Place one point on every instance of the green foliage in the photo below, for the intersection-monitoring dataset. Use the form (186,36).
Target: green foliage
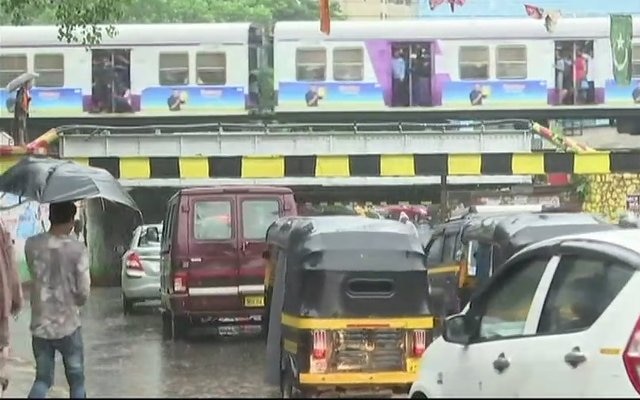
(581,186)
(261,11)
(78,19)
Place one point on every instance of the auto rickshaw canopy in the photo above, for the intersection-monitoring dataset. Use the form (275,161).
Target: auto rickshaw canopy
(513,232)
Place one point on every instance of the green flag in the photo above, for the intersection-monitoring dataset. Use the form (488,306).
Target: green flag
(620,36)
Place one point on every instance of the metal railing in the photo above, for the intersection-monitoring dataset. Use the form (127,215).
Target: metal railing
(297,128)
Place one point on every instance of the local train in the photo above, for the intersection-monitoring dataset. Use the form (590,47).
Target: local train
(219,68)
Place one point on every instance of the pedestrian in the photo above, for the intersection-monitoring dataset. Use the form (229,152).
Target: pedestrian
(59,268)
(10,299)
(21,113)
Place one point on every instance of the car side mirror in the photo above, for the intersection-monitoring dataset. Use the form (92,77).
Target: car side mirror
(119,249)
(456,329)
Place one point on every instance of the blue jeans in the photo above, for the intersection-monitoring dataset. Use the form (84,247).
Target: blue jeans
(71,349)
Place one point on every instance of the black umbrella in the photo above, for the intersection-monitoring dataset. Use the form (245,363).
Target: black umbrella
(49,180)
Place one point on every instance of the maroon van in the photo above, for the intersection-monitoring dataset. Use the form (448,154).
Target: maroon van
(212,268)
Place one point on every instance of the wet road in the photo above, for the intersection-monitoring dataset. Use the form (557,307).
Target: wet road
(126,356)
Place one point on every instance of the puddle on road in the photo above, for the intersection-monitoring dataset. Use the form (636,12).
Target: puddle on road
(126,356)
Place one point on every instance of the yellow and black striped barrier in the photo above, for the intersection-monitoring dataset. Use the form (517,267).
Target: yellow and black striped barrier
(374,165)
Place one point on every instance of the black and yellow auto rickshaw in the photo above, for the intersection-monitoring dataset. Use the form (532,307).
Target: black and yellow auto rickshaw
(446,264)
(491,241)
(348,311)
(451,261)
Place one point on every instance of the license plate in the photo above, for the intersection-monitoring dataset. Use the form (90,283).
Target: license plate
(254,301)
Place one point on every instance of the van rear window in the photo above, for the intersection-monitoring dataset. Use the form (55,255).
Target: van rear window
(257,216)
(212,220)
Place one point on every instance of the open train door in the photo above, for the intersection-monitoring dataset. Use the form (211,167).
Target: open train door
(415,88)
(111,80)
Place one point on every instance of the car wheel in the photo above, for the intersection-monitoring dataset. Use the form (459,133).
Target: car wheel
(127,305)
(418,395)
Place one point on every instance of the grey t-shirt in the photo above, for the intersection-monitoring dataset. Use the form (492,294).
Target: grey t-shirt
(59,268)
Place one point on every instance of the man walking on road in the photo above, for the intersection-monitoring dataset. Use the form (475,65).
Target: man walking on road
(10,299)
(59,268)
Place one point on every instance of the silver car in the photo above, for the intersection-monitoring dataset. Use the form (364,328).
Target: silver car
(140,276)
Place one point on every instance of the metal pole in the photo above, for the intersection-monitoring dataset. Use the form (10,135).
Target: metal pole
(444,198)
(410,73)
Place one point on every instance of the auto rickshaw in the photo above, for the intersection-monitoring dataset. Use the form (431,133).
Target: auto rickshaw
(444,249)
(491,241)
(348,310)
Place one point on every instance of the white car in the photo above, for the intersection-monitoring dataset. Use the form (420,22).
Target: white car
(560,319)
(140,272)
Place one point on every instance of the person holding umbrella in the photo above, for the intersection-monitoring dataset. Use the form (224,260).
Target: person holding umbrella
(22,84)
(10,299)
(59,267)
(58,263)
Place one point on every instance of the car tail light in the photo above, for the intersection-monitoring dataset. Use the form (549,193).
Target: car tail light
(180,282)
(319,344)
(631,357)
(133,262)
(420,342)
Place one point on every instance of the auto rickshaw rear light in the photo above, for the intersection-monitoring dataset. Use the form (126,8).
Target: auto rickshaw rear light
(419,342)
(180,284)
(319,344)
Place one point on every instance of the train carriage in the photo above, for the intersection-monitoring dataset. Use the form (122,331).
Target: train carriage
(505,62)
(212,69)
(162,69)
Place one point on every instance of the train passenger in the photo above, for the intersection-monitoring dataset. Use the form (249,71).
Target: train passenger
(591,89)
(580,73)
(421,80)
(399,71)
(559,68)
(567,78)
(122,101)
(21,113)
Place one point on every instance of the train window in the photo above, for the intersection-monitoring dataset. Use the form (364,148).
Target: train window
(348,64)
(474,62)
(173,69)
(211,68)
(11,66)
(311,64)
(50,68)
(635,61)
(511,62)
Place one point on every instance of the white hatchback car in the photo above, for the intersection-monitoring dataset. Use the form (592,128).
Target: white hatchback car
(560,319)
